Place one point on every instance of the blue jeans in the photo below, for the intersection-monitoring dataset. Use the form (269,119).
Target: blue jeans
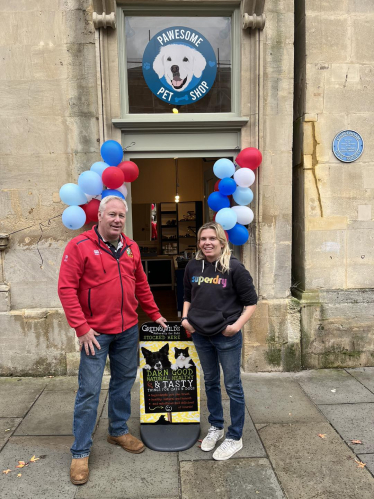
(123,355)
(224,350)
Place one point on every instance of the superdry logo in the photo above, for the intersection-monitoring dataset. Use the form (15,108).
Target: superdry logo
(97,252)
(66,258)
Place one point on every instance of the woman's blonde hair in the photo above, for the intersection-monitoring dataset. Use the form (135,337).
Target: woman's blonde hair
(224,259)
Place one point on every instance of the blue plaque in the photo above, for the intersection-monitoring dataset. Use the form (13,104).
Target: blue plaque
(348,146)
(179,65)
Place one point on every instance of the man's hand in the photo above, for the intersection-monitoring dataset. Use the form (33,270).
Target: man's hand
(88,340)
(162,321)
(187,326)
(231,330)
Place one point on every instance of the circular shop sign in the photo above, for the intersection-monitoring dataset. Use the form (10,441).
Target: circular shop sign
(348,146)
(179,65)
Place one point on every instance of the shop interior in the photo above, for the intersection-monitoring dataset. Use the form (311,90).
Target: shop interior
(168,207)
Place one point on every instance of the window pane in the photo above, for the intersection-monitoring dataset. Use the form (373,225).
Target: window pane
(139,30)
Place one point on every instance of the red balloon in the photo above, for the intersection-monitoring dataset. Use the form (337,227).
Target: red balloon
(113,177)
(216,189)
(214,217)
(227,235)
(250,157)
(129,169)
(92,209)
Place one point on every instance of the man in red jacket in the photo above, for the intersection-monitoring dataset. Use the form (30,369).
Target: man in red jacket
(101,280)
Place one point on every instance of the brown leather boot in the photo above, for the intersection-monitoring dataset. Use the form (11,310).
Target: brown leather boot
(128,443)
(79,471)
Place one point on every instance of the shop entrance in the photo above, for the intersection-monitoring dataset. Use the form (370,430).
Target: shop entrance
(168,206)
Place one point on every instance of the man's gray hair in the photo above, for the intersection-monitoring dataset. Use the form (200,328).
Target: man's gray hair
(106,200)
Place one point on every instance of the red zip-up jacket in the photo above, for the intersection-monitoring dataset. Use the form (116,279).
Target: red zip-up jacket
(100,291)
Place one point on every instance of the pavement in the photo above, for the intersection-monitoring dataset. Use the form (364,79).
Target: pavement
(298,443)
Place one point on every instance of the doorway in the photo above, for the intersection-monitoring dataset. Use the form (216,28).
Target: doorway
(165,227)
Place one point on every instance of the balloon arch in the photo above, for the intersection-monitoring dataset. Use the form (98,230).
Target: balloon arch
(108,177)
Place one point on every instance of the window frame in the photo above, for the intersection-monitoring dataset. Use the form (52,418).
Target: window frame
(232,11)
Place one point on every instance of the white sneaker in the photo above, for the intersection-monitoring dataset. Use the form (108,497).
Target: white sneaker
(227,449)
(209,442)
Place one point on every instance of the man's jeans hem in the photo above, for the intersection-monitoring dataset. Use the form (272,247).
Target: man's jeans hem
(80,456)
(116,436)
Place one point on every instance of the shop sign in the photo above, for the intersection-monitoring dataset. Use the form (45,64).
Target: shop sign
(179,65)
(348,146)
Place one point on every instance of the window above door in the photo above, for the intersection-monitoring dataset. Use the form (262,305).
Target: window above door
(143,31)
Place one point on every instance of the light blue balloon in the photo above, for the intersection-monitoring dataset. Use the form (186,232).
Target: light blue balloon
(243,196)
(74,217)
(90,183)
(99,167)
(72,194)
(224,168)
(227,218)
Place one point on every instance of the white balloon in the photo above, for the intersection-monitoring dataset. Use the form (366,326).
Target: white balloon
(244,213)
(244,177)
(89,197)
(122,189)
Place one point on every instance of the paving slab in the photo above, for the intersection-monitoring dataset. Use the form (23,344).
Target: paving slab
(353,422)
(364,375)
(272,399)
(332,386)
(17,395)
(236,478)
(52,414)
(115,473)
(368,459)
(47,478)
(57,383)
(7,427)
(252,446)
(309,466)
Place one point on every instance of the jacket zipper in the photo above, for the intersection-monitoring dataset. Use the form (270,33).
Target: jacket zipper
(89,301)
(120,280)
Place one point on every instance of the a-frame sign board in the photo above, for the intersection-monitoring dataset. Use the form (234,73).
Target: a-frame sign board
(169,388)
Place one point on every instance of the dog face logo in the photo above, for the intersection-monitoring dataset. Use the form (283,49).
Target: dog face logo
(179,65)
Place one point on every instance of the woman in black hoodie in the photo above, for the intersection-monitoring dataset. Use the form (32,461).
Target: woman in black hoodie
(219,298)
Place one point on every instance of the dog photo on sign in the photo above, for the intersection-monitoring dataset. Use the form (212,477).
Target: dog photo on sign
(157,360)
(179,63)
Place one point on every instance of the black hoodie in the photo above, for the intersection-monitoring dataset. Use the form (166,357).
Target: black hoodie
(217,299)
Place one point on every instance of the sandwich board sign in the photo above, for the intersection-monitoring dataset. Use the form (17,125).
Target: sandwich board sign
(169,388)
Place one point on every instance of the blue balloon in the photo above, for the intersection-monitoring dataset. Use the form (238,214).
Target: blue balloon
(238,235)
(227,218)
(99,167)
(112,192)
(216,201)
(243,195)
(111,152)
(227,186)
(90,183)
(74,217)
(223,168)
(72,194)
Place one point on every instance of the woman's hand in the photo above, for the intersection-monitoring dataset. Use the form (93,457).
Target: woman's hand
(231,330)
(187,326)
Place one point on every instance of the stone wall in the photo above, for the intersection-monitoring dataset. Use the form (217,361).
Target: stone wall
(49,134)
(333,231)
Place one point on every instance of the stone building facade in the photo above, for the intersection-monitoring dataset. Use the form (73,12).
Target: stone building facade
(304,73)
